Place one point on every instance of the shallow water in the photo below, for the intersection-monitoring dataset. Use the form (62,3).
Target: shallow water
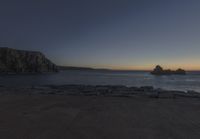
(191,81)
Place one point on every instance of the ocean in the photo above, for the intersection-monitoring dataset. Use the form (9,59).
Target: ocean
(191,81)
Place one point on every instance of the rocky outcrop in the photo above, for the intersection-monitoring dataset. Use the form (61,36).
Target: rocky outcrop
(158,70)
(180,71)
(20,61)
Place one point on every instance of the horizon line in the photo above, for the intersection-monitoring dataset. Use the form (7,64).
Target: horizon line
(120,69)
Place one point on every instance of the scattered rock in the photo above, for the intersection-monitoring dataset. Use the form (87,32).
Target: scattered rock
(146,88)
(89,90)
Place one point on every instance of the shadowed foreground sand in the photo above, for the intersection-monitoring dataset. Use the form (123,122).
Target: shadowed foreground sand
(98,117)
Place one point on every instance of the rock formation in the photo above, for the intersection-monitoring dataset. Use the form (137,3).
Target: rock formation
(158,70)
(180,71)
(20,61)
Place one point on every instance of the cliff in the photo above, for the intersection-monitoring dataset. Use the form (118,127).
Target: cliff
(20,61)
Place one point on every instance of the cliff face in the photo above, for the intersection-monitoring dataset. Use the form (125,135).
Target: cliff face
(20,61)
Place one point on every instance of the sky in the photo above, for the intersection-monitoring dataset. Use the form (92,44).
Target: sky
(115,34)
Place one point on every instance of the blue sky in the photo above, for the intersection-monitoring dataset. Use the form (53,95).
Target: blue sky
(118,34)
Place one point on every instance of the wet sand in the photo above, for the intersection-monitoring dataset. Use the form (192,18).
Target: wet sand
(38,116)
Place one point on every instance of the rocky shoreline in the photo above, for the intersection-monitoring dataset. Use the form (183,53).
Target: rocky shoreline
(99,90)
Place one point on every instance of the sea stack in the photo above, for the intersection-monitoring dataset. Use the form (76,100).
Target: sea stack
(158,70)
(21,61)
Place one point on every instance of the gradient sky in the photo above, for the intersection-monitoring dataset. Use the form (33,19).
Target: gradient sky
(117,34)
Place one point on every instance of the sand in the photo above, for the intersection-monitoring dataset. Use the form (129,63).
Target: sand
(98,117)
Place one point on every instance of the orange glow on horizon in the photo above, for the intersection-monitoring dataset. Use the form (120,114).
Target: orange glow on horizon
(151,67)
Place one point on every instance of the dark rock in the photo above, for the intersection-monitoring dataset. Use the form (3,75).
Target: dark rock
(158,70)
(146,88)
(180,71)
(20,61)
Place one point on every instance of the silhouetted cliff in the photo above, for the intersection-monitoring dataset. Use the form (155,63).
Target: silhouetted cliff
(20,61)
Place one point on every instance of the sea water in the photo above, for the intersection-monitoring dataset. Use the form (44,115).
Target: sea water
(191,81)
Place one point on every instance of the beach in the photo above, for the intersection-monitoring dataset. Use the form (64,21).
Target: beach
(99,69)
(82,112)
